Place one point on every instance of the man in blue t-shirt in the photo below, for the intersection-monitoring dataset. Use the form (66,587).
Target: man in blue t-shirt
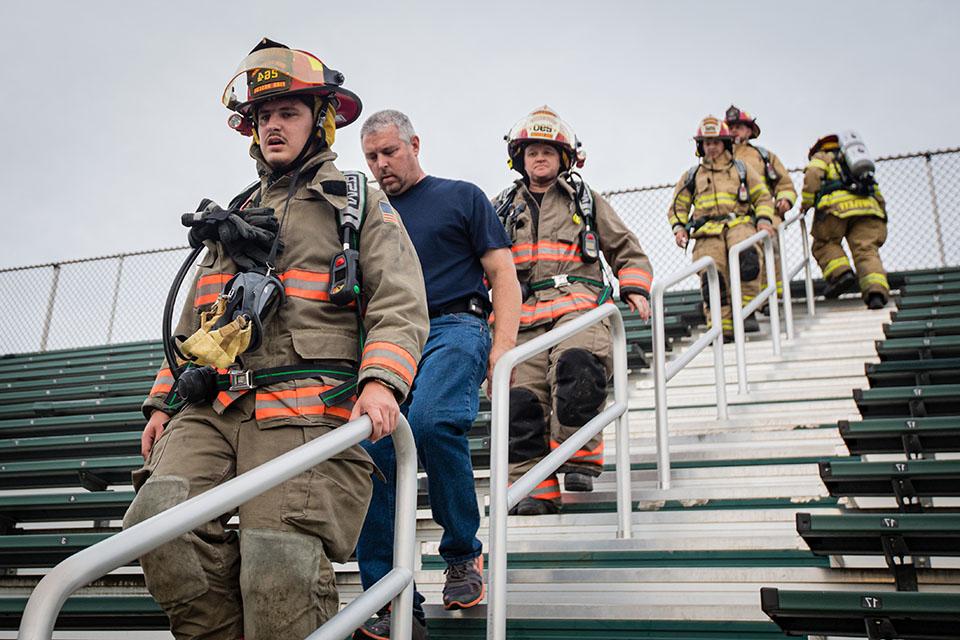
(459,239)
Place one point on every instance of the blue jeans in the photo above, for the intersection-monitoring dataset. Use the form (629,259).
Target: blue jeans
(441,408)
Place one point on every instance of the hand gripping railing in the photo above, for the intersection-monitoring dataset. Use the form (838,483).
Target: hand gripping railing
(502,497)
(788,273)
(94,562)
(662,372)
(739,313)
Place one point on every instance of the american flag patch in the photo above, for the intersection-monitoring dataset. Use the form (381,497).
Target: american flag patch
(388,213)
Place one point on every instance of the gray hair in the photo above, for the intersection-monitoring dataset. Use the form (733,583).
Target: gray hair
(383,119)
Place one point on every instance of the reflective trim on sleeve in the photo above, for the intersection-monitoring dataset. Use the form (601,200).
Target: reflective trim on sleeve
(633,277)
(163,382)
(209,287)
(391,357)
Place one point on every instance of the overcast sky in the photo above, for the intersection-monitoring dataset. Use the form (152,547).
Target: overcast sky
(113,122)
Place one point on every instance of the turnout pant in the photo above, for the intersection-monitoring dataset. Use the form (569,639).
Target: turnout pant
(554,394)
(865,235)
(284,587)
(777,221)
(751,266)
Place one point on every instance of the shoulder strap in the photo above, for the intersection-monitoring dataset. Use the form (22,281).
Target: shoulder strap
(584,197)
(504,200)
(763,152)
(741,171)
(241,198)
(350,218)
(689,182)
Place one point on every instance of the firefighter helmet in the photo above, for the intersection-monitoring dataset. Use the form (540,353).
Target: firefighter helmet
(736,115)
(273,70)
(829,142)
(713,128)
(544,125)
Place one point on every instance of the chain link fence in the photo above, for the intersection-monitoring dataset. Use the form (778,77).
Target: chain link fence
(120,298)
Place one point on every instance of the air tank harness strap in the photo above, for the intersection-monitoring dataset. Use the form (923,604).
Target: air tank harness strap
(563,280)
(247,379)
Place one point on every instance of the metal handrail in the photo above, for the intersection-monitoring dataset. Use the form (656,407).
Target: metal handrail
(663,373)
(739,313)
(94,562)
(789,273)
(503,497)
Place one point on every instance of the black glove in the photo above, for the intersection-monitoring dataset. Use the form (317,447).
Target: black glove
(204,223)
(248,236)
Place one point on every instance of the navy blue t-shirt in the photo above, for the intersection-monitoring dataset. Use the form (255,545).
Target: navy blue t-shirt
(451,224)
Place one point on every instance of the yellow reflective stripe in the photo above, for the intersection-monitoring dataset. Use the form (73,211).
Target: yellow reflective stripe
(789,196)
(817,163)
(739,220)
(712,200)
(835,264)
(684,198)
(765,210)
(759,188)
(807,198)
(779,287)
(873,279)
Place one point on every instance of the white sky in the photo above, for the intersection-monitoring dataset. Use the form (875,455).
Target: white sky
(113,125)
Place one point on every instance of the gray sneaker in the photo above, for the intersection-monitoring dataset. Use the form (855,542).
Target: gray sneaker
(379,628)
(464,586)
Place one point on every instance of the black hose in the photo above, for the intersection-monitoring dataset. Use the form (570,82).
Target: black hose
(169,349)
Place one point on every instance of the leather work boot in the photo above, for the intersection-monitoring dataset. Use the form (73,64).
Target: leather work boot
(750,324)
(841,284)
(463,587)
(379,628)
(574,481)
(532,507)
(875,301)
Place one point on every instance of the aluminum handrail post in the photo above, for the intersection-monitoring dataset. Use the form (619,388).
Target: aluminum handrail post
(660,384)
(405,530)
(736,309)
(621,395)
(773,306)
(787,277)
(806,265)
(91,563)
(719,371)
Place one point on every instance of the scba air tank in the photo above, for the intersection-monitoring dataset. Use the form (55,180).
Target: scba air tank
(855,153)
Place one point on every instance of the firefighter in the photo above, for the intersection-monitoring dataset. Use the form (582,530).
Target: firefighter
(274,578)
(730,203)
(744,128)
(847,205)
(559,227)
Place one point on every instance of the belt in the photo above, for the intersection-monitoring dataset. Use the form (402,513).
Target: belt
(564,280)
(474,305)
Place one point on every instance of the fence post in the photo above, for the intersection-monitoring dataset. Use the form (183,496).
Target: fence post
(116,294)
(936,209)
(50,302)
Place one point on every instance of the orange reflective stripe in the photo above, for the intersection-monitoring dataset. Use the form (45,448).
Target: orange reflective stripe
(631,277)
(549,489)
(584,455)
(548,309)
(300,283)
(163,382)
(546,251)
(302,401)
(209,287)
(225,398)
(390,357)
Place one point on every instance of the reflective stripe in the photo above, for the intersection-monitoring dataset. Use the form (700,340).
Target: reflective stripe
(592,456)
(683,198)
(546,251)
(163,382)
(300,283)
(209,287)
(712,200)
(789,196)
(818,164)
(549,309)
(759,188)
(391,357)
(678,219)
(835,264)
(844,204)
(631,277)
(764,210)
(874,279)
(302,401)
(807,198)
(549,489)
(225,398)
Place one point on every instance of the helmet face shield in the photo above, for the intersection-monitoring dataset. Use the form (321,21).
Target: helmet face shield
(544,125)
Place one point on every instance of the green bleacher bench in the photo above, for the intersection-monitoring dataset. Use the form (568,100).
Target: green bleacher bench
(75,392)
(889,402)
(71,407)
(144,375)
(58,507)
(911,436)
(42,376)
(94,474)
(30,551)
(951,275)
(925,313)
(930,289)
(43,364)
(896,536)
(906,373)
(920,328)
(864,614)
(114,612)
(67,354)
(76,424)
(906,480)
(922,348)
(71,446)
(925,302)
